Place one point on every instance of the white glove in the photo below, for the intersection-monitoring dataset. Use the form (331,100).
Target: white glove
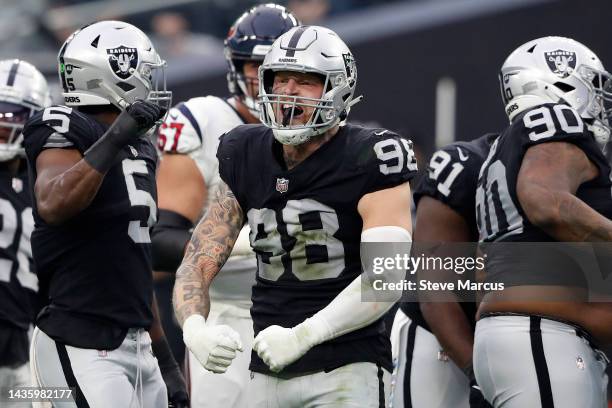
(214,346)
(279,346)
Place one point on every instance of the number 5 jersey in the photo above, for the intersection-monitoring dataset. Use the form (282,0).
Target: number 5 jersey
(97,264)
(305,228)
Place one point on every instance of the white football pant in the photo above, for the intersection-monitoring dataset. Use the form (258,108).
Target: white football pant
(528,361)
(423,376)
(126,377)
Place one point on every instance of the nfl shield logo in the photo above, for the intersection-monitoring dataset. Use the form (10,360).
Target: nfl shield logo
(561,62)
(122,60)
(282,185)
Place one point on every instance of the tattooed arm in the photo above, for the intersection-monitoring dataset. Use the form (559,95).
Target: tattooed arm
(210,245)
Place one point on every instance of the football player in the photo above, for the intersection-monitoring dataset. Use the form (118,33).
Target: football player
(545,180)
(92,165)
(23,91)
(311,189)
(433,339)
(189,168)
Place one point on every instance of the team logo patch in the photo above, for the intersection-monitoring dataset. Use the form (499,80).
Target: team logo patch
(122,60)
(561,62)
(580,363)
(282,185)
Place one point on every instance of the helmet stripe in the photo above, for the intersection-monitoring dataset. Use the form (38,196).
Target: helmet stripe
(12,73)
(293,42)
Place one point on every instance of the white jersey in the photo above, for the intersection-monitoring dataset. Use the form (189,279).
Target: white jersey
(194,128)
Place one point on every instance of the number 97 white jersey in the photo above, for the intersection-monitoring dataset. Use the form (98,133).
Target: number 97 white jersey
(193,128)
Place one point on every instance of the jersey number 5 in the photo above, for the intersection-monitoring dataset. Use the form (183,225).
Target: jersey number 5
(136,231)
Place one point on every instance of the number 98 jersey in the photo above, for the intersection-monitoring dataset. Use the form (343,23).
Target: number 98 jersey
(97,264)
(305,228)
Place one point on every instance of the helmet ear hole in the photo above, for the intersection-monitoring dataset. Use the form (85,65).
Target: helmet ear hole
(564,87)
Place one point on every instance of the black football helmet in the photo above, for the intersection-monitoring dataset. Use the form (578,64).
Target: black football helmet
(249,39)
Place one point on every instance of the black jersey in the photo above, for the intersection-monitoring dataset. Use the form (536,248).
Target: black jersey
(97,265)
(451,178)
(305,228)
(499,213)
(18,281)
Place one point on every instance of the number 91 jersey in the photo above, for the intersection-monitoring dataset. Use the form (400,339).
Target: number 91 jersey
(97,264)
(305,228)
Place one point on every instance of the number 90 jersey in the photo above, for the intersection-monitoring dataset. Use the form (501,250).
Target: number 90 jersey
(97,264)
(305,228)
(499,214)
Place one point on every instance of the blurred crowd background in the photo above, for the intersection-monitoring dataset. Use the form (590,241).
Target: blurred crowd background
(427,68)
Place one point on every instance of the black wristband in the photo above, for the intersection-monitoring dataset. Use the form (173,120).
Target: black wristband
(103,154)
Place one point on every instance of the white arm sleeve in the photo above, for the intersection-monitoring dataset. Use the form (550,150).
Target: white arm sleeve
(347,312)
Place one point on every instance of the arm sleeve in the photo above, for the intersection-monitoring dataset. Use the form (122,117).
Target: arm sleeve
(169,238)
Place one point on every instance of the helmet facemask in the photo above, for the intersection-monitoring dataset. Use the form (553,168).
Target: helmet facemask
(279,110)
(12,121)
(244,87)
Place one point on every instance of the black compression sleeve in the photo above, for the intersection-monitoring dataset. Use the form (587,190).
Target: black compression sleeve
(103,154)
(169,238)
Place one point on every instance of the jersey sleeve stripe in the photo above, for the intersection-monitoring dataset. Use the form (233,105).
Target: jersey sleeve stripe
(57,140)
(187,113)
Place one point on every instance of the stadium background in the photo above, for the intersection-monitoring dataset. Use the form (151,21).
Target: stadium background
(427,68)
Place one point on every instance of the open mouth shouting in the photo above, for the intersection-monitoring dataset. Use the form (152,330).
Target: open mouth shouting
(292,113)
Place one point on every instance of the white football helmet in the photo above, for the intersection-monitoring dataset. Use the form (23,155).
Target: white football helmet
(23,91)
(558,69)
(111,62)
(316,50)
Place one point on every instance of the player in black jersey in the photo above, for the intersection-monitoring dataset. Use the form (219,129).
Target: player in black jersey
(309,188)
(434,339)
(545,180)
(23,91)
(92,166)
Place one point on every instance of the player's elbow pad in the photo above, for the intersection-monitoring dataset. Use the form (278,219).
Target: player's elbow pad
(169,238)
(351,310)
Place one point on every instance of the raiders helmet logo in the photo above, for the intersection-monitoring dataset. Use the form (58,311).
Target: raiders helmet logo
(282,185)
(122,60)
(561,62)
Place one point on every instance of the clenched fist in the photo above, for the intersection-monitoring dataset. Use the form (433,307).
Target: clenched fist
(214,346)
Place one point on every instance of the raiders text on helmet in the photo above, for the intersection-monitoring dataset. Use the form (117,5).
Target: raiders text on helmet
(558,70)
(111,62)
(316,50)
(249,39)
(23,91)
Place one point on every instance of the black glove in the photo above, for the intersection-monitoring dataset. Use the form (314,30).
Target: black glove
(146,114)
(175,382)
(477,400)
